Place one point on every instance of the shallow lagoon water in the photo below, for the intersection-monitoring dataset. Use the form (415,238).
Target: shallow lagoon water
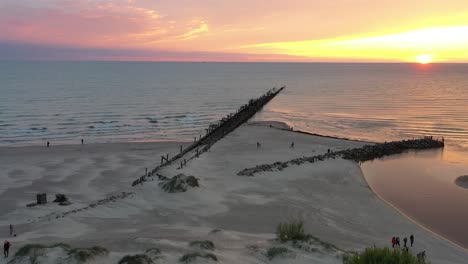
(422,185)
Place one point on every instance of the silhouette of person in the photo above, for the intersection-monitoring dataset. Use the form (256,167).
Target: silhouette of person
(258,144)
(82,141)
(11,229)
(48,143)
(292,144)
(411,239)
(404,241)
(398,241)
(393,242)
(6,248)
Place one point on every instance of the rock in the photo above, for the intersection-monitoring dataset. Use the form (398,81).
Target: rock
(59,198)
(179,183)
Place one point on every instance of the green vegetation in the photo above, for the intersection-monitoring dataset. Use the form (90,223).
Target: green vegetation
(205,244)
(81,254)
(136,259)
(190,257)
(62,245)
(85,254)
(29,249)
(277,252)
(178,183)
(383,256)
(293,230)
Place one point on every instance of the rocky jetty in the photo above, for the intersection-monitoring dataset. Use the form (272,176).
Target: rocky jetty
(218,130)
(370,152)
(365,153)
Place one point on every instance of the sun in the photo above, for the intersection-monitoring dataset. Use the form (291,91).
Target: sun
(425,58)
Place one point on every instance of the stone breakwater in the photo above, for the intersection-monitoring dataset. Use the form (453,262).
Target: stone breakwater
(365,153)
(112,198)
(218,130)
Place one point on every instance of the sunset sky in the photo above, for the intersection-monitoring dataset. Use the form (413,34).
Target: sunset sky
(237,30)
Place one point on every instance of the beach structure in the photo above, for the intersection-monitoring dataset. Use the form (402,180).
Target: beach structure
(218,130)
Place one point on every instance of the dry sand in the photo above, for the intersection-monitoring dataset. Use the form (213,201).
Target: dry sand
(331,197)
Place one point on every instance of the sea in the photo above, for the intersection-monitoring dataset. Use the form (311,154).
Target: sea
(62,102)
(100,102)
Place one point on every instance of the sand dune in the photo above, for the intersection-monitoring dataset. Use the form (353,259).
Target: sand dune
(331,197)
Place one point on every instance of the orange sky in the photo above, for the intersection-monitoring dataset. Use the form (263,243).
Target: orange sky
(294,30)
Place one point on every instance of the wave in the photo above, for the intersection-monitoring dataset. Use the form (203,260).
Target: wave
(38,128)
(174,116)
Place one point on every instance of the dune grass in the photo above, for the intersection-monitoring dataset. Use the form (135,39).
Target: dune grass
(85,254)
(290,231)
(203,244)
(29,249)
(136,259)
(383,256)
(274,252)
(190,257)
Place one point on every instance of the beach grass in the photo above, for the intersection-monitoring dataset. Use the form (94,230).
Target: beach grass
(204,244)
(190,257)
(274,252)
(383,256)
(136,259)
(293,230)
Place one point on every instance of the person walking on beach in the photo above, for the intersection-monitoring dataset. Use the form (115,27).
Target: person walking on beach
(411,238)
(6,248)
(397,242)
(393,242)
(292,144)
(82,141)
(11,229)
(258,144)
(404,241)
(48,143)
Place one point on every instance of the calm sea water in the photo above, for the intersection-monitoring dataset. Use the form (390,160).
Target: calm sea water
(127,101)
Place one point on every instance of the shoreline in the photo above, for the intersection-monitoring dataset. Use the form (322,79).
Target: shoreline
(409,217)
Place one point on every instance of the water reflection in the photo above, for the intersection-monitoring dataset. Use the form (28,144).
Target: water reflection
(422,185)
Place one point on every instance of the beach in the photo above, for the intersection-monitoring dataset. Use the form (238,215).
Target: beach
(239,214)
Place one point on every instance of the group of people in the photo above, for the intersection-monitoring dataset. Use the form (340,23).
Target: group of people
(396,242)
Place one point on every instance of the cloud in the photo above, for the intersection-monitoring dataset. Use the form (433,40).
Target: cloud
(15,51)
(93,23)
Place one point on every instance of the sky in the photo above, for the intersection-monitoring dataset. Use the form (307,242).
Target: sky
(237,30)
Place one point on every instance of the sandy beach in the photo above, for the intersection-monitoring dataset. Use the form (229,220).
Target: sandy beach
(239,214)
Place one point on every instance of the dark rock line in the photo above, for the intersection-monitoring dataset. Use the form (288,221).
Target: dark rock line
(365,153)
(218,130)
